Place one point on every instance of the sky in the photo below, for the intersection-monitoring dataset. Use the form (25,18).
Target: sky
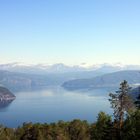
(70,31)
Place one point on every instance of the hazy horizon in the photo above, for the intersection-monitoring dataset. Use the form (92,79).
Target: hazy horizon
(70,65)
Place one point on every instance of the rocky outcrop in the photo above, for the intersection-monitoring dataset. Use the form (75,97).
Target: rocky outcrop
(6,95)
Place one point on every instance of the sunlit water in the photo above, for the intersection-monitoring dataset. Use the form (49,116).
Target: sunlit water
(55,104)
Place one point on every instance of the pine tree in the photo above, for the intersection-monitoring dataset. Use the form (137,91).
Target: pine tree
(137,102)
(121,103)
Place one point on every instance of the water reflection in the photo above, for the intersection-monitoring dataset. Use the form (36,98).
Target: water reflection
(5,104)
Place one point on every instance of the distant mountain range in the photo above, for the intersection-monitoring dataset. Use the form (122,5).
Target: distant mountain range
(40,68)
(106,80)
(16,81)
(17,77)
(62,68)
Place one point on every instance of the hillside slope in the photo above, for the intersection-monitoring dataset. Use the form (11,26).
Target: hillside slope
(107,80)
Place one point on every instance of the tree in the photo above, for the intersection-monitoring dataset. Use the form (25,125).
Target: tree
(137,102)
(102,129)
(131,128)
(79,130)
(121,103)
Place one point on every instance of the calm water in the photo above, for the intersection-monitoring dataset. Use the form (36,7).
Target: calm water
(55,104)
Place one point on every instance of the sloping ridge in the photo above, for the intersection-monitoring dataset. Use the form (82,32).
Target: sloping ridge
(107,80)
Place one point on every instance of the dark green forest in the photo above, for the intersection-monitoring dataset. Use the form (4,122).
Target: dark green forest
(124,124)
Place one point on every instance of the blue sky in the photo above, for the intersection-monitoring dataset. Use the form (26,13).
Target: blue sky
(70,31)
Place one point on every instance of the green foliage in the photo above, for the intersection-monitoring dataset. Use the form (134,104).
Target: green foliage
(137,102)
(79,130)
(121,102)
(102,129)
(7,133)
(131,128)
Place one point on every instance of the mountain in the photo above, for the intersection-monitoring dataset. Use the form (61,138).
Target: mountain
(107,80)
(17,76)
(20,81)
(109,68)
(6,95)
(41,68)
(16,81)
(61,68)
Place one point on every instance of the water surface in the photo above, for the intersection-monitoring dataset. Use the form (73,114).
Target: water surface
(53,104)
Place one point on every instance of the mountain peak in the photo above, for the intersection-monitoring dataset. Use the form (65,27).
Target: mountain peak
(62,68)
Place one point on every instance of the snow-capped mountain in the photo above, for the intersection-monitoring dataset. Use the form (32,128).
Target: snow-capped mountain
(108,68)
(62,68)
(41,68)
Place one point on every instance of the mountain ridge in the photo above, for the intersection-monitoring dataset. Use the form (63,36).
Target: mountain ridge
(106,80)
(62,68)
(16,81)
